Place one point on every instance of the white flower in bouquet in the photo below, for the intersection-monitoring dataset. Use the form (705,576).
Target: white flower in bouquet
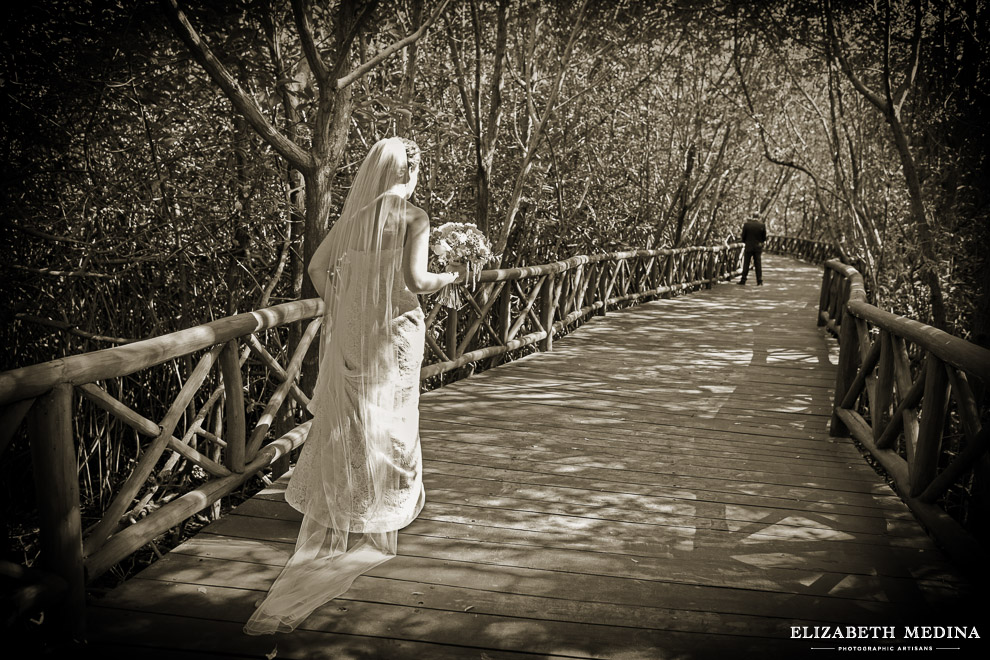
(459,242)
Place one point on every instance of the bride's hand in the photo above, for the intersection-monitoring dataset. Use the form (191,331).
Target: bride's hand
(459,269)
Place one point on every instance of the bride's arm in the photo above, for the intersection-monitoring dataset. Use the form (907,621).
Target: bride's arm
(319,266)
(416,255)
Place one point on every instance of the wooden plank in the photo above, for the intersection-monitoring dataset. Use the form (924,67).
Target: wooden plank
(789,554)
(128,630)
(122,650)
(423,633)
(729,360)
(601,414)
(444,487)
(721,406)
(645,445)
(223,575)
(578,588)
(587,509)
(657,415)
(663,420)
(559,448)
(800,357)
(658,394)
(761,577)
(479,479)
(703,439)
(564,363)
(198,585)
(844,489)
(681,485)
(574,457)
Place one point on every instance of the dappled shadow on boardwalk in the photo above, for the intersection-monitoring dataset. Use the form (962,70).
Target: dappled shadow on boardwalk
(660,486)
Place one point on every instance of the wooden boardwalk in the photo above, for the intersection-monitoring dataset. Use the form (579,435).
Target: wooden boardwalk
(662,485)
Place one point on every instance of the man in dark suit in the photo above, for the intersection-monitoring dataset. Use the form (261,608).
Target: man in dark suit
(754,234)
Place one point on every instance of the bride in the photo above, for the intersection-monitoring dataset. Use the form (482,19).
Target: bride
(359,477)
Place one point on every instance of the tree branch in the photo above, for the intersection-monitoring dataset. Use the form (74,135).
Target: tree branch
(365,67)
(495,99)
(305,28)
(833,36)
(71,329)
(761,130)
(886,55)
(536,132)
(242,101)
(353,32)
(901,94)
(461,78)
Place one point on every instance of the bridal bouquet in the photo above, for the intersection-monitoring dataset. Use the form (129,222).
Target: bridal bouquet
(459,242)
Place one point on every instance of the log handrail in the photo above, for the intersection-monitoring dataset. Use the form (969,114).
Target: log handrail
(33,380)
(949,348)
(900,416)
(815,252)
(527,306)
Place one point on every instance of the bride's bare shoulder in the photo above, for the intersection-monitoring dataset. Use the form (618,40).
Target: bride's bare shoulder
(415,217)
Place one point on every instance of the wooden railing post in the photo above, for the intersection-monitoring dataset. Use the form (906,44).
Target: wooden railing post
(670,271)
(450,334)
(880,405)
(53,454)
(823,298)
(603,288)
(236,434)
(547,303)
(933,408)
(504,318)
(845,374)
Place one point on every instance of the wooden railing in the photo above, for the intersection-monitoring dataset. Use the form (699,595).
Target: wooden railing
(899,384)
(46,395)
(206,424)
(815,252)
(517,307)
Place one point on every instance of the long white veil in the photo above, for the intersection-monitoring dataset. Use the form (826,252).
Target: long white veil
(350,472)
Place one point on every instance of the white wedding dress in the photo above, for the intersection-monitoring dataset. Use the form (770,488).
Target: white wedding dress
(359,476)
(321,487)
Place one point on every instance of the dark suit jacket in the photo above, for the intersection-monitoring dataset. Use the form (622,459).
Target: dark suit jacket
(754,233)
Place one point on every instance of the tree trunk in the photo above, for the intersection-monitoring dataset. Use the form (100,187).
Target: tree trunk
(241,217)
(929,266)
(318,208)
(408,87)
